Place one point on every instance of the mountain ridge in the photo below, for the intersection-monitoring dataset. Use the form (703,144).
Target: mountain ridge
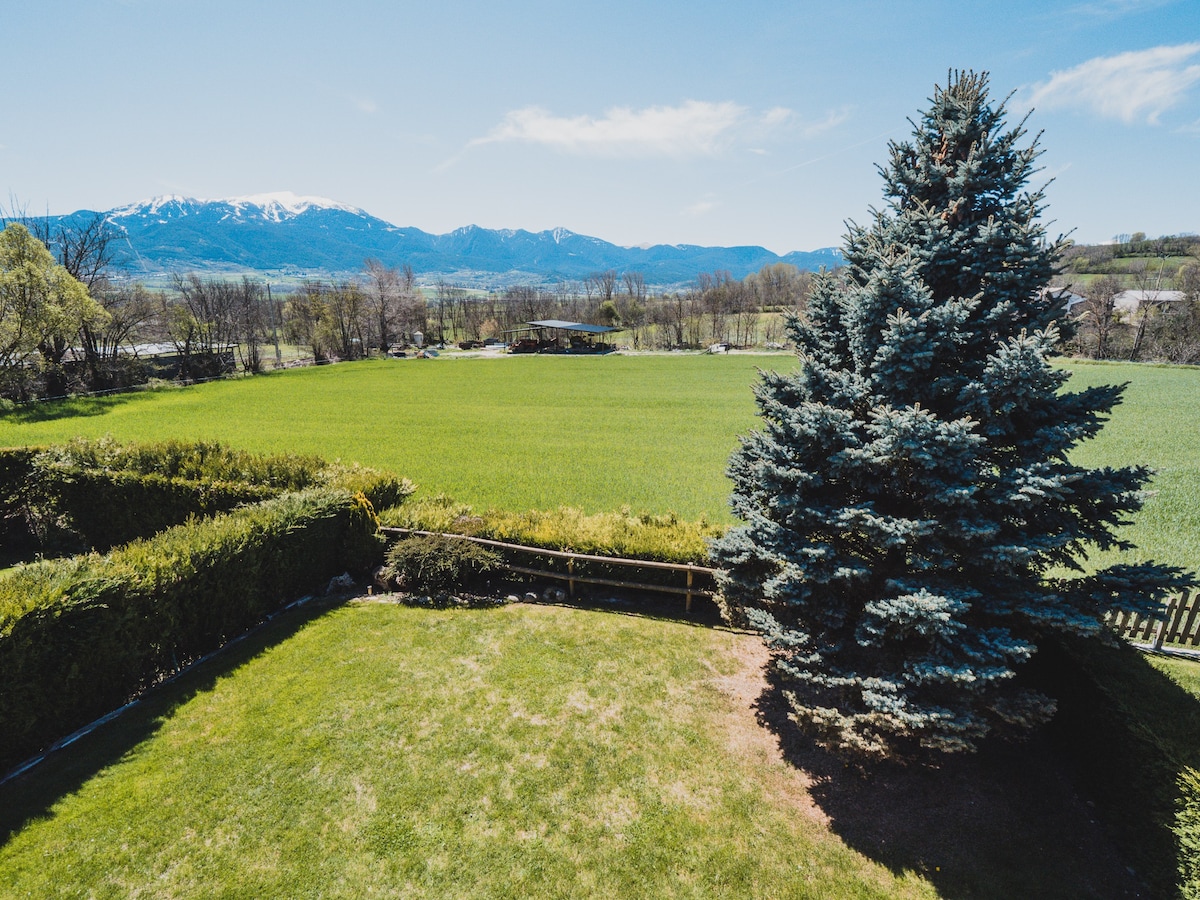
(287,233)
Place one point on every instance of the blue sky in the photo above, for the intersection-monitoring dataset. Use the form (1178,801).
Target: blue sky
(666,122)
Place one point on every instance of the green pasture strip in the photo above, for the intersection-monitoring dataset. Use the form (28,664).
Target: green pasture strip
(1157,425)
(649,432)
(652,433)
(379,750)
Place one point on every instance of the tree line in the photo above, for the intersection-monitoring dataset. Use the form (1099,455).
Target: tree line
(70,323)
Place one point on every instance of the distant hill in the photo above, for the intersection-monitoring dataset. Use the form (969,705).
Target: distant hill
(291,235)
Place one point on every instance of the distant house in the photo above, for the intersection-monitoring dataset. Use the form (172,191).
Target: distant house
(1129,301)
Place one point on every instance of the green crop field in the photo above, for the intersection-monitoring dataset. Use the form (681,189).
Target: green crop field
(651,433)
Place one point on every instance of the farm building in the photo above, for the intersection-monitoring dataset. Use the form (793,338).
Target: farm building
(558,336)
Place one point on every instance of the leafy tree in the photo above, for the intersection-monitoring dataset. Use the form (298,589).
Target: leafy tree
(42,306)
(913,527)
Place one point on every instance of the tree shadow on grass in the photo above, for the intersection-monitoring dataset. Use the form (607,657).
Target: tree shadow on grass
(33,794)
(68,408)
(1005,822)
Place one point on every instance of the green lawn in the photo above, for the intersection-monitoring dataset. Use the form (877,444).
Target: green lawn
(649,432)
(373,750)
(1184,672)
(387,751)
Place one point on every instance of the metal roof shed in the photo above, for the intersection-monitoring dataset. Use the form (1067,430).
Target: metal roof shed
(572,326)
(586,343)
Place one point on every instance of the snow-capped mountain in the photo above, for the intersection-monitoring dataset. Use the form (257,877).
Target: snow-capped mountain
(274,207)
(285,232)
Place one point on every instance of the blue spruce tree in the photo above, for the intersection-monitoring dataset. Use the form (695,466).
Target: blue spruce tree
(913,526)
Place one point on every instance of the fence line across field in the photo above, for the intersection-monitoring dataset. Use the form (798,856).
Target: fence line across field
(690,571)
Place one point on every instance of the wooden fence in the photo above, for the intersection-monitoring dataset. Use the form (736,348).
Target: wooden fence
(691,581)
(1176,625)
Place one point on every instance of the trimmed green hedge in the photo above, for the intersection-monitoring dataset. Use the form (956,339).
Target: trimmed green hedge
(100,494)
(80,636)
(1187,832)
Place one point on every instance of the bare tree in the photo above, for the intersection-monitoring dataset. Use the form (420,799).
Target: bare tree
(385,289)
(715,296)
(85,248)
(1148,288)
(131,308)
(303,317)
(250,324)
(602,285)
(344,313)
(1100,313)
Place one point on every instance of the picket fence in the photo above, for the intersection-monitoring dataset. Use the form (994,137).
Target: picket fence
(1175,626)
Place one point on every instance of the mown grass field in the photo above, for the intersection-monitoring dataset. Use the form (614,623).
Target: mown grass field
(378,750)
(649,432)
(375,750)
(519,433)
(387,751)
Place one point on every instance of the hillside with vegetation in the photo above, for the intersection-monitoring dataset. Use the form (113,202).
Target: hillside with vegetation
(1136,298)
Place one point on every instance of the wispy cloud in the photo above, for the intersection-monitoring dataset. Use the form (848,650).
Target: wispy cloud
(694,128)
(831,120)
(1137,86)
(700,208)
(365,105)
(776,116)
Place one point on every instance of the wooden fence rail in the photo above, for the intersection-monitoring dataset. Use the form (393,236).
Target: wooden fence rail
(1177,624)
(691,575)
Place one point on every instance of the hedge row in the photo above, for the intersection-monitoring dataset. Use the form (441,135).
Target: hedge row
(80,636)
(99,494)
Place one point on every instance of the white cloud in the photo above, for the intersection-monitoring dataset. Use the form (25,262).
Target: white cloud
(1135,86)
(694,128)
(365,105)
(777,115)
